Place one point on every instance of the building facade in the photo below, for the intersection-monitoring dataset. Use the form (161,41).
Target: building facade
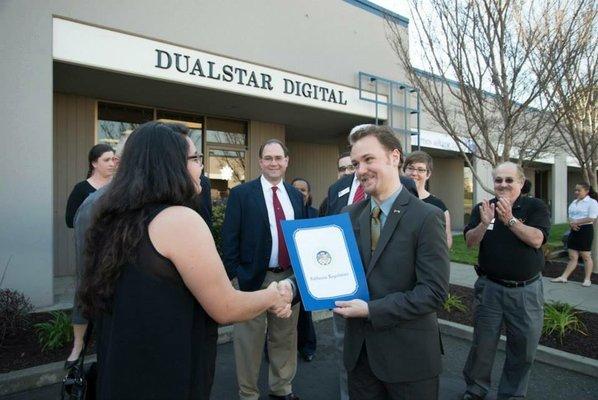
(77,73)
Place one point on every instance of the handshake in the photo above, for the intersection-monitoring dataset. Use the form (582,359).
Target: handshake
(283,296)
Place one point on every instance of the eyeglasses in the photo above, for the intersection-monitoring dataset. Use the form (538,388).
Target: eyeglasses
(270,159)
(508,180)
(419,170)
(198,158)
(349,168)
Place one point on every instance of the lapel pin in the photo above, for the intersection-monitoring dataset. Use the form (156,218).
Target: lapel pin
(396,211)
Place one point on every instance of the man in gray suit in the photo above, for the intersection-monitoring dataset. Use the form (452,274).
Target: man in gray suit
(392,345)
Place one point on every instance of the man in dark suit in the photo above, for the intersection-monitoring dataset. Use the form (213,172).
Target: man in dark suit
(255,253)
(392,347)
(346,191)
(342,192)
(205,200)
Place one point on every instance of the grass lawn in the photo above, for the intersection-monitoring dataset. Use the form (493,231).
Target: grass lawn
(461,254)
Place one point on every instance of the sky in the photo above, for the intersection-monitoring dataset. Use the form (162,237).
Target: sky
(400,7)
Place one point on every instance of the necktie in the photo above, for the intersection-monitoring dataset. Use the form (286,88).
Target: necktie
(283,254)
(359,194)
(375,227)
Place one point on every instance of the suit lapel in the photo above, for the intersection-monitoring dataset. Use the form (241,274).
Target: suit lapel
(296,201)
(260,201)
(396,213)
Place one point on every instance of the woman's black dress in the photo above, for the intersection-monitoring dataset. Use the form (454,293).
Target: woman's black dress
(157,342)
(76,198)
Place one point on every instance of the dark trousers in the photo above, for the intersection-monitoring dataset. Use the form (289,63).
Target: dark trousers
(521,310)
(306,333)
(363,385)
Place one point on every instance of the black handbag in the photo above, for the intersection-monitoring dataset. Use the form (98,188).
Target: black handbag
(80,381)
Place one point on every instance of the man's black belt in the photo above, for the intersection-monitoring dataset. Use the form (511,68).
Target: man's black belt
(513,284)
(277,269)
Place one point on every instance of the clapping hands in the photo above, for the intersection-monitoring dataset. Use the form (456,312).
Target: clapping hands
(504,210)
(284,297)
(487,212)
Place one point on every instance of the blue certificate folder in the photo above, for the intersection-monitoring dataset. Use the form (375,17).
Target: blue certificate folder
(326,260)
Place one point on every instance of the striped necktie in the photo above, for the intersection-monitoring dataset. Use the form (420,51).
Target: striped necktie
(283,254)
(375,227)
(359,194)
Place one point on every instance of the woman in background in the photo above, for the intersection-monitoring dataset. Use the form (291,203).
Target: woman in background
(306,333)
(154,283)
(582,211)
(99,173)
(101,166)
(418,166)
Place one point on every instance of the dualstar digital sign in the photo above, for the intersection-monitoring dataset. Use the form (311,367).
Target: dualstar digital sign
(236,75)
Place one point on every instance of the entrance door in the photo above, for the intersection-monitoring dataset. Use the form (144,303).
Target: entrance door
(226,169)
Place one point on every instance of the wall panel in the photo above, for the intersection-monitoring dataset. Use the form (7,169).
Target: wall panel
(315,162)
(74,135)
(259,132)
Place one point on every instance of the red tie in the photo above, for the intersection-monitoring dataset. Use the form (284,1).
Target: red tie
(359,194)
(283,254)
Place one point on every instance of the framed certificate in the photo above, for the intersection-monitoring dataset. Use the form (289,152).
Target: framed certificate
(325,260)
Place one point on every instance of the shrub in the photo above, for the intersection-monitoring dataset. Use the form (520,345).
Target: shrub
(454,302)
(561,319)
(55,333)
(14,313)
(218,210)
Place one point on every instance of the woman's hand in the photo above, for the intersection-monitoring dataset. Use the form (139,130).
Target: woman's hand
(283,295)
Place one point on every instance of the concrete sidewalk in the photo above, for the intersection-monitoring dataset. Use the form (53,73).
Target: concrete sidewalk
(583,298)
(318,380)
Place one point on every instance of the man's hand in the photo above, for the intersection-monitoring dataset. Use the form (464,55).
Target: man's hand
(284,295)
(352,309)
(504,210)
(286,290)
(486,212)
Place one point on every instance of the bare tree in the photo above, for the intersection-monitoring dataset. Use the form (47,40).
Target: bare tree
(481,86)
(575,90)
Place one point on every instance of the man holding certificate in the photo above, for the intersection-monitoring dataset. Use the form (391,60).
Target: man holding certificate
(392,345)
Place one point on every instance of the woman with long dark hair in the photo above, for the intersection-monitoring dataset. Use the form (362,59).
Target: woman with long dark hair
(154,283)
(100,169)
(582,211)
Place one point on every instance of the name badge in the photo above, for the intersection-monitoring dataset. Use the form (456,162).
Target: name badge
(491,226)
(344,191)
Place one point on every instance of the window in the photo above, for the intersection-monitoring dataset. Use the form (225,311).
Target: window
(116,120)
(226,141)
(192,121)
(227,132)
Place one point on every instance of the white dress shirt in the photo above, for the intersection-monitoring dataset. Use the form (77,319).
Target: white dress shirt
(584,208)
(354,187)
(287,207)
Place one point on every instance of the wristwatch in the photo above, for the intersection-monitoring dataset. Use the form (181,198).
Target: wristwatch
(512,222)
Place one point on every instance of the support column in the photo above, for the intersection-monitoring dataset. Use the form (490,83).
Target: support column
(26,200)
(484,171)
(558,189)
